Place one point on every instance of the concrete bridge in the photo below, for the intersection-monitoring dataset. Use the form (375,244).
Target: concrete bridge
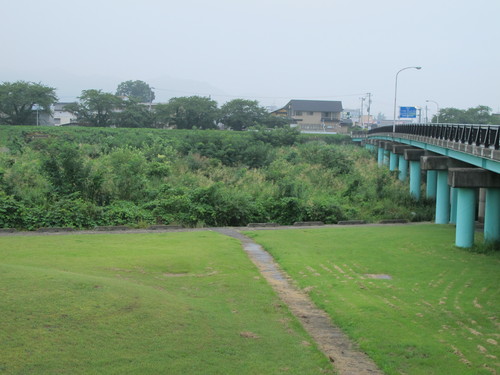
(460,165)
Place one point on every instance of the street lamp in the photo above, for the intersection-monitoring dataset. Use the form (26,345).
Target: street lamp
(437,113)
(396,93)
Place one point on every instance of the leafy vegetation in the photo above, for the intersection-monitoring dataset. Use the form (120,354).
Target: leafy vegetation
(475,115)
(136,90)
(144,304)
(413,302)
(84,177)
(19,100)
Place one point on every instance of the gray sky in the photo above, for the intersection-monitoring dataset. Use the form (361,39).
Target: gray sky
(268,50)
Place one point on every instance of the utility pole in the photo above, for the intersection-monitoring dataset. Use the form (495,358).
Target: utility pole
(369,105)
(361,113)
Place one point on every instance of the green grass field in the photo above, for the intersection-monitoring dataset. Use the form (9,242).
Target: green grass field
(178,303)
(438,312)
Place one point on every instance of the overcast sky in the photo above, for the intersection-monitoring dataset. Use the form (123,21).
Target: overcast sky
(268,50)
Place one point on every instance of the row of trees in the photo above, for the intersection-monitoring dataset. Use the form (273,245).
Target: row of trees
(97,108)
(131,107)
(476,115)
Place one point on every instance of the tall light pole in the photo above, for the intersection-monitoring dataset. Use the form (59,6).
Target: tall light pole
(437,113)
(396,93)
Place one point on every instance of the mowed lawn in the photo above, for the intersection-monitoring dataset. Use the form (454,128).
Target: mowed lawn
(166,303)
(414,302)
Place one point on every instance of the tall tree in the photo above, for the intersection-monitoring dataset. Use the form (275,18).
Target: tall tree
(18,99)
(96,108)
(189,112)
(134,115)
(137,90)
(240,114)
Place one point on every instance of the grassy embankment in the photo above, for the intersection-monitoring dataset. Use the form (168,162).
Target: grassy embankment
(438,312)
(183,303)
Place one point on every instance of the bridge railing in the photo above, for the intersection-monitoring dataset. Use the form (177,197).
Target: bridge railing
(478,135)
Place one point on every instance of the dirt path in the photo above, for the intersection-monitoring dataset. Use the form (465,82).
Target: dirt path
(345,357)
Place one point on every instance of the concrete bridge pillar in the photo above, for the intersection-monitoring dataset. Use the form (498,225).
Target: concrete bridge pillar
(403,168)
(386,157)
(413,156)
(442,198)
(415,179)
(492,215)
(393,161)
(368,145)
(392,157)
(399,150)
(430,190)
(466,212)
(380,154)
(439,165)
(466,181)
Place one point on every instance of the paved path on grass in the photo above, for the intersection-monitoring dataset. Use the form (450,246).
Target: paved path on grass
(342,352)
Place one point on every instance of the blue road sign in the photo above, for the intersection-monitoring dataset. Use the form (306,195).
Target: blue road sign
(407,112)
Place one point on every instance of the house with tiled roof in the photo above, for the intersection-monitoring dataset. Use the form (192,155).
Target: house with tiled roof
(314,115)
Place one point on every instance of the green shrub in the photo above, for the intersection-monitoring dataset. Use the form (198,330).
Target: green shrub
(126,213)
(10,212)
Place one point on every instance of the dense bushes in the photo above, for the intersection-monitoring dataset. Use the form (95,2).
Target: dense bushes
(87,177)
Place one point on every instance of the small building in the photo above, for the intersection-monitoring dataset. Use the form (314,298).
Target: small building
(60,116)
(314,115)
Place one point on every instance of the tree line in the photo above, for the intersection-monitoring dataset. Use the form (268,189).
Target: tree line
(131,106)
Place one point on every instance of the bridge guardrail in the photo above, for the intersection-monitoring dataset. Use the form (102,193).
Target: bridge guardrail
(487,136)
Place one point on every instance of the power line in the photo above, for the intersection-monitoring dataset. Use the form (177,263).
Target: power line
(256,96)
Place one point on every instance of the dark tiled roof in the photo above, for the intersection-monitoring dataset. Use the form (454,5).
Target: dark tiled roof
(315,105)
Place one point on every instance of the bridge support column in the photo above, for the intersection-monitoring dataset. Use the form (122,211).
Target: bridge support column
(453,206)
(430,190)
(399,150)
(403,168)
(442,198)
(466,212)
(492,215)
(467,181)
(415,179)
(413,156)
(386,158)
(380,156)
(439,165)
(393,161)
